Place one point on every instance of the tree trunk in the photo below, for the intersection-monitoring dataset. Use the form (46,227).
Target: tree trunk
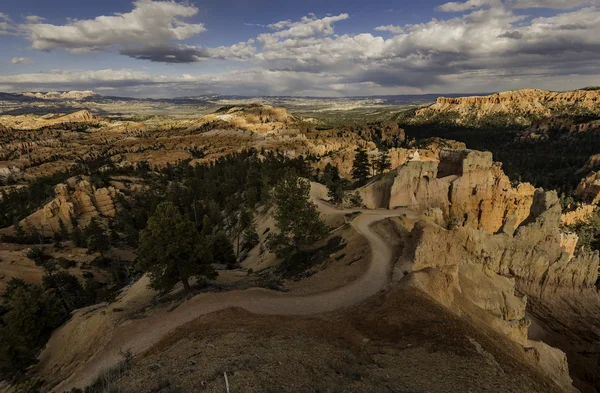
(186,284)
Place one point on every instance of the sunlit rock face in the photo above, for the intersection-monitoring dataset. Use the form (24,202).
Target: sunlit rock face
(495,250)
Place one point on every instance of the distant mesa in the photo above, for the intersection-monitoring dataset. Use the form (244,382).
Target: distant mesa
(62,95)
(517,106)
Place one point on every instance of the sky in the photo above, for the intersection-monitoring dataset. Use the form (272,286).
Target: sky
(327,48)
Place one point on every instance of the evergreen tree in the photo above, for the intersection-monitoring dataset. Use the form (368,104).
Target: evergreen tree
(296,218)
(65,286)
(98,240)
(251,237)
(32,314)
(336,191)
(78,237)
(383,162)
(207,227)
(360,166)
(62,229)
(172,250)
(331,175)
(19,232)
(222,250)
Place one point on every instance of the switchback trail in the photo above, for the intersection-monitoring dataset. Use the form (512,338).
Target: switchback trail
(139,335)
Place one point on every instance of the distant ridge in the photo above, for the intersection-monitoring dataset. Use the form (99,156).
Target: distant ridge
(61,95)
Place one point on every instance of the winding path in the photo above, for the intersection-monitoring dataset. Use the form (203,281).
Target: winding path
(139,335)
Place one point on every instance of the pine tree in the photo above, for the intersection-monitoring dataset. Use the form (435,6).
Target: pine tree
(19,232)
(222,250)
(251,237)
(62,229)
(207,228)
(383,162)
(331,175)
(78,237)
(172,250)
(296,218)
(336,191)
(360,166)
(66,287)
(31,316)
(98,240)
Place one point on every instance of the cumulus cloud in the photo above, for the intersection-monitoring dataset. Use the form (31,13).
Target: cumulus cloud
(149,23)
(33,19)
(22,60)
(458,6)
(190,54)
(555,4)
(308,26)
(487,45)
(391,29)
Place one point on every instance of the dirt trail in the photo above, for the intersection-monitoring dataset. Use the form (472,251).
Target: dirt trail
(140,335)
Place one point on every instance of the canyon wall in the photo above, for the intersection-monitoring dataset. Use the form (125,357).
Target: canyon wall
(519,104)
(498,254)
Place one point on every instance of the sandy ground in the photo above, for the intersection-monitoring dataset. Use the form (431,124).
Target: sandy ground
(15,264)
(85,356)
(397,342)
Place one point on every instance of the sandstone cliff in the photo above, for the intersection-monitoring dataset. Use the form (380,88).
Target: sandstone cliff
(465,185)
(499,256)
(521,105)
(76,199)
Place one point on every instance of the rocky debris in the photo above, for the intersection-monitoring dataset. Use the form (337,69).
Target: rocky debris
(518,103)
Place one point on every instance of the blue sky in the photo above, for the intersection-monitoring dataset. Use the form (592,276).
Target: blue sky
(162,48)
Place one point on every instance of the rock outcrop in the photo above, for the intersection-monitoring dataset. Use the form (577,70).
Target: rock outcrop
(519,104)
(504,261)
(581,214)
(589,188)
(465,185)
(64,95)
(76,199)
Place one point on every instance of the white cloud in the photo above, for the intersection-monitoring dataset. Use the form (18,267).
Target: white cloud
(33,19)
(391,29)
(149,23)
(6,25)
(457,6)
(22,60)
(492,45)
(555,4)
(308,26)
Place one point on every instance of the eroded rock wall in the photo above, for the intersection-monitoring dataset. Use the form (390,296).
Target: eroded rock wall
(465,185)
(504,277)
(76,199)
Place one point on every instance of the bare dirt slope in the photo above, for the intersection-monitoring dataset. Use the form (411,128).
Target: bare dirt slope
(140,334)
(398,342)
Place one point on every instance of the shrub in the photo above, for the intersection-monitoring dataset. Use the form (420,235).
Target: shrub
(37,255)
